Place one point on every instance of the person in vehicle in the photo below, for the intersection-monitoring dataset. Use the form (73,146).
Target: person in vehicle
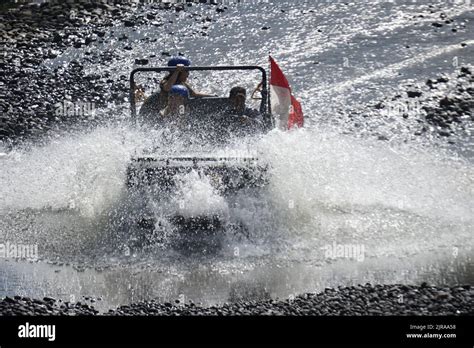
(179,76)
(176,107)
(237,100)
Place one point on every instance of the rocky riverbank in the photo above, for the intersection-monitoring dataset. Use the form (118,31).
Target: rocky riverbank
(33,34)
(36,33)
(355,300)
(443,103)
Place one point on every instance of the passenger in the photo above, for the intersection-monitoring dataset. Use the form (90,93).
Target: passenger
(177,77)
(176,105)
(237,99)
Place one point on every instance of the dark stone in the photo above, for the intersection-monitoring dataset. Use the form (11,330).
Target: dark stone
(379,106)
(446,102)
(414,94)
(442,80)
(430,83)
(57,38)
(444,133)
(141,61)
(128,23)
(89,40)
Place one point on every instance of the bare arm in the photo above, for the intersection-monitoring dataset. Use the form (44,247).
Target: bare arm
(195,94)
(172,80)
(257,90)
(139,94)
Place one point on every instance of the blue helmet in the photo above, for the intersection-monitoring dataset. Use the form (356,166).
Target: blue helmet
(179,60)
(179,90)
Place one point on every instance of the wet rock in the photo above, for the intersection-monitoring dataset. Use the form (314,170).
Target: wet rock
(379,106)
(431,84)
(442,80)
(57,38)
(446,102)
(88,40)
(444,133)
(414,94)
(128,23)
(141,61)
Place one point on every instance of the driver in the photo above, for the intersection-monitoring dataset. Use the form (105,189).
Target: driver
(176,106)
(237,99)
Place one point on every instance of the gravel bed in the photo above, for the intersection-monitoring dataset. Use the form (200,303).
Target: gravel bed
(367,300)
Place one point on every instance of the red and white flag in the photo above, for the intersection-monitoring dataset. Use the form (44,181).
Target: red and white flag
(284,105)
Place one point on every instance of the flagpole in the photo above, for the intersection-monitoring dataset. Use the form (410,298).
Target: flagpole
(269,107)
